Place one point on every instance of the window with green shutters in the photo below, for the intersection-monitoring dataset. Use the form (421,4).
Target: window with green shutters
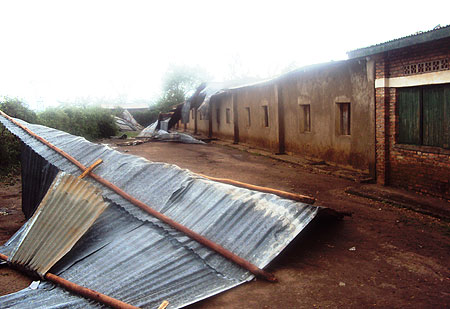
(424,115)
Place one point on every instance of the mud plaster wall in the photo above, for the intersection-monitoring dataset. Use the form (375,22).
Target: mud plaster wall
(256,133)
(323,88)
(220,127)
(202,123)
(190,124)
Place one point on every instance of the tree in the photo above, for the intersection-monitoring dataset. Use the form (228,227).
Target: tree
(178,83)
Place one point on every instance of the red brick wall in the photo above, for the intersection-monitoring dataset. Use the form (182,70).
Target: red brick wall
(393,62)
(438,50)
(420,168)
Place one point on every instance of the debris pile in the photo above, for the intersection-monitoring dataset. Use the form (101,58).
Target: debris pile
(153,133)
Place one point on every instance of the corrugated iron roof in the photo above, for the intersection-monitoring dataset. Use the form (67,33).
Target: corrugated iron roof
(67,211)
(413,39)
(131,256)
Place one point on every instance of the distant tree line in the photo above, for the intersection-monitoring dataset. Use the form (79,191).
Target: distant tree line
(91,122)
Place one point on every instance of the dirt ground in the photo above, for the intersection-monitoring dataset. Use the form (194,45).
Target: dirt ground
(11,219)
(381,256)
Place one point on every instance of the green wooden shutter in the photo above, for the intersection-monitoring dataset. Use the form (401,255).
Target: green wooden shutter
(446,118)
(433,99)
(436,117)
(409,115)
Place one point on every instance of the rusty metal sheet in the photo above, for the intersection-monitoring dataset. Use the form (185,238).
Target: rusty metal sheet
(66,212)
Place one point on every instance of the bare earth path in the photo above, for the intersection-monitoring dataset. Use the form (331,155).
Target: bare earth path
(381,256)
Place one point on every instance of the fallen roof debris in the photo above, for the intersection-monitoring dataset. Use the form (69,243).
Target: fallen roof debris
(152,132)
(127,122)
(126,115)
(133,256)
(148,131)
(165,136)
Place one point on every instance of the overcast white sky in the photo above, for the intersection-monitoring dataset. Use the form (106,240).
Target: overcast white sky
(60,50)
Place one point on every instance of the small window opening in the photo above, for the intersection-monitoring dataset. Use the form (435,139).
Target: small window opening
(305,118)
(228,115)
(344,118)
(266,115)
(248,116)
(192,114)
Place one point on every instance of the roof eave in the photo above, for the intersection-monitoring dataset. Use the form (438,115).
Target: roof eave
(401,43)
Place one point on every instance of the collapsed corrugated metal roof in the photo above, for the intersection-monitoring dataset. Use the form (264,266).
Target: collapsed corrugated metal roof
(134,257)
(130,119)
(123,124)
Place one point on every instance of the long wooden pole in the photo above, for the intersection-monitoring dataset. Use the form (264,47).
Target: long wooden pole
(288,195)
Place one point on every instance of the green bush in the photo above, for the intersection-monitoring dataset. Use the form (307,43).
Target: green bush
(91,122)
(9,144)
(17,109)
(9,153)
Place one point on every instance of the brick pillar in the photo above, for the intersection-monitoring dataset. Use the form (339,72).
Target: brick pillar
(382,121)
(381,131)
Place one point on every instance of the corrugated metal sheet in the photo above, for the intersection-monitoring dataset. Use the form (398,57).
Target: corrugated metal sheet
(67,211)
(129,255)
(417,38)
(37,176)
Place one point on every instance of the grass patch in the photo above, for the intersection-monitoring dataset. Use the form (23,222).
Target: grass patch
(130,134)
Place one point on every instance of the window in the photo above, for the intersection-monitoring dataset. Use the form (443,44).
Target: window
(424,115)
(192,114)
(248,116)
(266,115)
(218,115)
(343,124)
(305,118)
(228,115)
(201,117)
